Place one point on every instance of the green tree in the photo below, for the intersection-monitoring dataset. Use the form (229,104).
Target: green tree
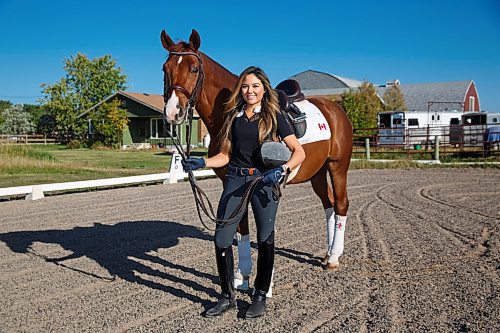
(16,121)
(36,112)
(362,106)
(87,82)
(3,105)
(394,99)
(109,120)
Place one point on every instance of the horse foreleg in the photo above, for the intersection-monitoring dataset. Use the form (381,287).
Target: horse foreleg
(244,270)
(338,176)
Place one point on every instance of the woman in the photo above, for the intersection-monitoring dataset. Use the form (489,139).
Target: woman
(252,116)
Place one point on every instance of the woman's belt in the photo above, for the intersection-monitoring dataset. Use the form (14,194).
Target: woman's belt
(244,171)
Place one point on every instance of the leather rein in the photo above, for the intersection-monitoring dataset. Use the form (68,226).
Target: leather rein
(199,195)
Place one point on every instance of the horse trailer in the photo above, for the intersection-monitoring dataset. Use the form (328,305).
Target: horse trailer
(413,128)
(475,125)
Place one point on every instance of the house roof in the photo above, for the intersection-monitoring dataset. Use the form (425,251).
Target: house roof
(417,96)
(153,101)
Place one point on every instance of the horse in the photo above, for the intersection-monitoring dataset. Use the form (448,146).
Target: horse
(193,78)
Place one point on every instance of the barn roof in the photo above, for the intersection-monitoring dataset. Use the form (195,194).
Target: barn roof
(314,80)
(417,96)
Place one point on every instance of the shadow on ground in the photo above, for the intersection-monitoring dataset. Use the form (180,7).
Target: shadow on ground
(123,249)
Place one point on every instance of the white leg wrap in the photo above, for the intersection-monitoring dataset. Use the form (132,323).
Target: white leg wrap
(244,263)
(244,257)
(337,247)
(330,228)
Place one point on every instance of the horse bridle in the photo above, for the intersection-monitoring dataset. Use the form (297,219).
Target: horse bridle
(191,96)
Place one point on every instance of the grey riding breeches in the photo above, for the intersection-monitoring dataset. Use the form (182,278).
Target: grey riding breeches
(264,203)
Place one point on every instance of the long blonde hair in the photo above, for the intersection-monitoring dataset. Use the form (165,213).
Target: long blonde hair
(269,108)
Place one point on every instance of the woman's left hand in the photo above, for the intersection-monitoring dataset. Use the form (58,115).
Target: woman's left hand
(273,176)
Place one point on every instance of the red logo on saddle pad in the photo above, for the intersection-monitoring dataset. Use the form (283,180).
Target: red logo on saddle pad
(322,126)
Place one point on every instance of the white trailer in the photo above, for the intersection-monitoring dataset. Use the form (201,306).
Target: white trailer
(414,128)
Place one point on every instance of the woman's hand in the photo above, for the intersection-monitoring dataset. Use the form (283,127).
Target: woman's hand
(273,176)
(192,163)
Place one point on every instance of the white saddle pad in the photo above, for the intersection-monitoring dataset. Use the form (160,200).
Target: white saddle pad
(317,126)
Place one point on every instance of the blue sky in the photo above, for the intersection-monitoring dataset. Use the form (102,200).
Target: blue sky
(413,41)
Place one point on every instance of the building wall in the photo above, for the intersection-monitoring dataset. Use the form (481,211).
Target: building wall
(471,92)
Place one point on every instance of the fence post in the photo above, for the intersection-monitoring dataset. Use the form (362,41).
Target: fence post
(436,148)
(367,148)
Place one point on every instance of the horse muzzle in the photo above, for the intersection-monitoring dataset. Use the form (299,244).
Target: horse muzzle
(175,116)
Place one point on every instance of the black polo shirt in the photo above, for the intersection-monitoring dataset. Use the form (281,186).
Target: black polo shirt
(245,139)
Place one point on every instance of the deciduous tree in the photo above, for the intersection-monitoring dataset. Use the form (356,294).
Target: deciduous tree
(394,99)
(109,120)
(362,106)
(87,82)
(16,121)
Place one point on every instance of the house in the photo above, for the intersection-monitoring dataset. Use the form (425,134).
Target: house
(437,96)
(145,127)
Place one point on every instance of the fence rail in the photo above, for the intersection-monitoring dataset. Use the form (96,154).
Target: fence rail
(27,139)
(460,140)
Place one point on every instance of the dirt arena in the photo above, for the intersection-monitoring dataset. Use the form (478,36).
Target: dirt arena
(422,255)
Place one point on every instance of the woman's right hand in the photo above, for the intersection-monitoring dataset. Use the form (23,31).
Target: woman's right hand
(192,163)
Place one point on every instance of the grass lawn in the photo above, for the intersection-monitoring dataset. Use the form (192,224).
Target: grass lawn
(39,164)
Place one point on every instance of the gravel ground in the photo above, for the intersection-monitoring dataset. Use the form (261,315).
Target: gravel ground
(422,255)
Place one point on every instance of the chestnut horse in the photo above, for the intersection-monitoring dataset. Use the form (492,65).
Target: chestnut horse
(193,78)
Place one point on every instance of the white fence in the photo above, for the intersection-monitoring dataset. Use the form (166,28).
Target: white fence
(35,192)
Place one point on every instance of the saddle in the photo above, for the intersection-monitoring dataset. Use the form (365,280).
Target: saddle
(288,93)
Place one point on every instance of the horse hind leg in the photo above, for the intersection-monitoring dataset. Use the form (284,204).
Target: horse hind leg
(322,189)
(338,176)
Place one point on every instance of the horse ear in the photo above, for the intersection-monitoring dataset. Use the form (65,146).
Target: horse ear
(166,41)
(195,40)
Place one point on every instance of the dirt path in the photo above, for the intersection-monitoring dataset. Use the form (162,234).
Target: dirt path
(422,254)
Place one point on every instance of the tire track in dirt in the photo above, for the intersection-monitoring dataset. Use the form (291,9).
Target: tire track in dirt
(453,235)
(425,192)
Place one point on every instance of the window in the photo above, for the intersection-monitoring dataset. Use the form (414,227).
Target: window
(157,130)
(412,122)
(454,121)
(472,101)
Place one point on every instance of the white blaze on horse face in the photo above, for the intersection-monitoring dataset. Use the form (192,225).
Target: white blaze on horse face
(179,61)
(172,107)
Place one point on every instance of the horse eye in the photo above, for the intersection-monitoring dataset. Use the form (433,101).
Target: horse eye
(194,70)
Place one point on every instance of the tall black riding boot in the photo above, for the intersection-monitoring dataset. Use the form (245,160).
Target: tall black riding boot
(265,263)
(225,266)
